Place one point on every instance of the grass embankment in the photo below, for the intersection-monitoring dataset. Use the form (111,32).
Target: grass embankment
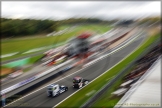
(80,97)
(23,45)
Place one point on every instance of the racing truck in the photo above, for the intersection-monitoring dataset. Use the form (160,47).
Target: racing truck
(79,82)
(55,90)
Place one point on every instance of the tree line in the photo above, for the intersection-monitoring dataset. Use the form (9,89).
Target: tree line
(21,27)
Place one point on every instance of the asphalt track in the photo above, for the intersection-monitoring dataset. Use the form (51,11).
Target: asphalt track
(40,99)
(39,69)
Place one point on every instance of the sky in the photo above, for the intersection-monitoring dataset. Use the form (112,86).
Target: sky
(59,10)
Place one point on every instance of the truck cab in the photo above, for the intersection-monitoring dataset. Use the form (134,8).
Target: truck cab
(55,90)
(79,82)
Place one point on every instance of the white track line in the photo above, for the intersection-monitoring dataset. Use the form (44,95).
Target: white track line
(60,80)
(8,55)
(34,50)
(91,92)
(110,78)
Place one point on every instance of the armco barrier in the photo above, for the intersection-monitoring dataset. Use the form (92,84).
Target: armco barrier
(108,85)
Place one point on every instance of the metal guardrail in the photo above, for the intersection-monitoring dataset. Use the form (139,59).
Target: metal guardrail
(109,84)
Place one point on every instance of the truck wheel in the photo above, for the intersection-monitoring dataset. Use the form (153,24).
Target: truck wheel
(66,89)
(53,95)
(86,82)
(58,93)
(80,86)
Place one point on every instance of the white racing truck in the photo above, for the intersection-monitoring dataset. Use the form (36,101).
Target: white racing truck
(55,90)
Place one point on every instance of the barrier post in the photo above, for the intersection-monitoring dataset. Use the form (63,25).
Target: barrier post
(3,100)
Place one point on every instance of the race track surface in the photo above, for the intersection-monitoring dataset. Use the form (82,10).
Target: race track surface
(40,99)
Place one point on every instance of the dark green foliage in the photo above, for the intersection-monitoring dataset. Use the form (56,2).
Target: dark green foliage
(18,27)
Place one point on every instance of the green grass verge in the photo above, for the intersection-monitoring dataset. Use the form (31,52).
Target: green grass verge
(20,54)
(17,56)
(80,97)
(35,59)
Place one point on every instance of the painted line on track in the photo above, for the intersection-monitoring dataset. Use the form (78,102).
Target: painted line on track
(75,73)
(110,78)
(8,55)
(34,50)
(91,92)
